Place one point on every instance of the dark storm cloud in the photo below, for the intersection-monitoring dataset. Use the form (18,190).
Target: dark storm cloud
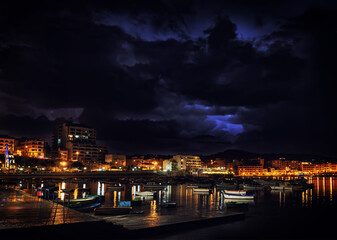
(167,77)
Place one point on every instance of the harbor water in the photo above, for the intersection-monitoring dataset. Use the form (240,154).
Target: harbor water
(308,214)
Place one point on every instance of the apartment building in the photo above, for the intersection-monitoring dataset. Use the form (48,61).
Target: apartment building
(30,147)
(9,141)
(80,142)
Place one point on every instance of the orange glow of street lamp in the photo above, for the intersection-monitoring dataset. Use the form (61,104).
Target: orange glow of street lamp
(63,164)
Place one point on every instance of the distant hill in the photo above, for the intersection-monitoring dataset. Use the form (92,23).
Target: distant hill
(244,155)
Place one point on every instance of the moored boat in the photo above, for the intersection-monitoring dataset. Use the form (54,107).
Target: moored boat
(202,190)
(237,196)
(238,192)
(84,207)
(146,193)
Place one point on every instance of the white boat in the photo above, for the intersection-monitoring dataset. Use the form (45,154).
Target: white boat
(146,193)
(237,192)
(237,196)
(202,190)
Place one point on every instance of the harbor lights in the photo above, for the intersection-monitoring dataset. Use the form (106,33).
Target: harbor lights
(63,165)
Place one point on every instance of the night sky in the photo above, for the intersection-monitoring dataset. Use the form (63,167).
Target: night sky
(167,77)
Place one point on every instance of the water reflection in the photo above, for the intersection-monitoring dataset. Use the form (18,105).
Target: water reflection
(189,203)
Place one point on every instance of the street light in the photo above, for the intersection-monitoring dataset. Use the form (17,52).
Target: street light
(77,153)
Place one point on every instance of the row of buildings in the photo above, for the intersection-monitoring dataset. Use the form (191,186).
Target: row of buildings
(71,142)
(281,166)
(75,142)
(29,147)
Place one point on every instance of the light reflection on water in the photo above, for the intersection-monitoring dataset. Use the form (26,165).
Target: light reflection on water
(189,204)
(325,190)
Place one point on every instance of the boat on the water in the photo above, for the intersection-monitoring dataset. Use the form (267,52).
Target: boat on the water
(238,192)
(88,199)
(238,196)
(202,190)
(84,207)
(146,193)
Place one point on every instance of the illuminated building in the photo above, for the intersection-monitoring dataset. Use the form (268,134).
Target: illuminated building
(71,132)
(319,167)
(63,155)
(10,144)
(142,163)
(80,142)
(251,170)
(117,160)
(167,165)
(30,147)
(282,164)
(87,153)
(187,162)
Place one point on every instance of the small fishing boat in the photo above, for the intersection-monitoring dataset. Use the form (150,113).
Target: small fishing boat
(238,192)
(84,207)
(146,193)
(202,190)
(89,199)
(237,196)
